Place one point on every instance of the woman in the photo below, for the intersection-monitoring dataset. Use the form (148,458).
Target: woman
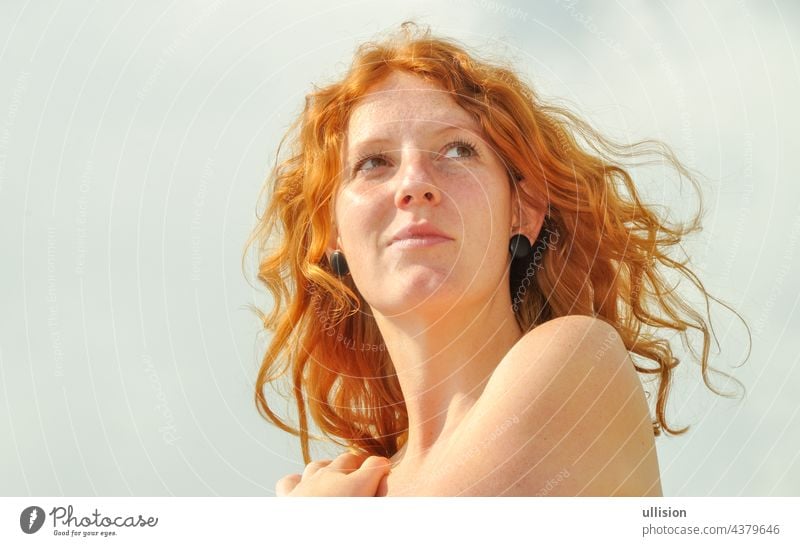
(458,282)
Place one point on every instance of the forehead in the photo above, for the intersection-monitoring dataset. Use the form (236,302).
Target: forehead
(404,97)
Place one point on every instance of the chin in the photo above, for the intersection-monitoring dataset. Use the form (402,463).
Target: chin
(417,296)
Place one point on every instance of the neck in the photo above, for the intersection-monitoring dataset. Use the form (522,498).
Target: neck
(443,362)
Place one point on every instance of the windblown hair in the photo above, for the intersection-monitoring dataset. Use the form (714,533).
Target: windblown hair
(601,252)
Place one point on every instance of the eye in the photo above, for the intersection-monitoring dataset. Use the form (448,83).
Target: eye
(463,150)
(360,163)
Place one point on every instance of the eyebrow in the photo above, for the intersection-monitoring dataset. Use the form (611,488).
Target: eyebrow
(371,141)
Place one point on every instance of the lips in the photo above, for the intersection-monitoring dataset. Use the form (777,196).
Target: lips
(419,231)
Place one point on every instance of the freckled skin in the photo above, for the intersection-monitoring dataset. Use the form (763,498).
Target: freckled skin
(445,314)
(412,155)
(423,177)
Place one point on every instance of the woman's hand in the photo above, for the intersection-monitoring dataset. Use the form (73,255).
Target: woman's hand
(349,475)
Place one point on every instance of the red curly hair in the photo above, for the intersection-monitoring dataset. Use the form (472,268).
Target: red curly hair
(601,252)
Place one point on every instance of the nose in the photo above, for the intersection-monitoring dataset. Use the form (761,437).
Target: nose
(417,185)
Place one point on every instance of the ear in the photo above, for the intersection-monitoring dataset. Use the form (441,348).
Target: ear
(526,218)
(333,241)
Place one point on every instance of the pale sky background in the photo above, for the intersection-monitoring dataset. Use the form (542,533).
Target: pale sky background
(134,138)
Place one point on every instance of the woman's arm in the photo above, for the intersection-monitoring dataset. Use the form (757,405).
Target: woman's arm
(349,475)
(563,414)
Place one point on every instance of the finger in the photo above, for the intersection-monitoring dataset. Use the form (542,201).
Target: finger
(347,462)
(313,466)
(374,463)
(372,472)
(285,485)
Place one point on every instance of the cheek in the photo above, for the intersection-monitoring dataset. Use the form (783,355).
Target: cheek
(485,211)
(359,220)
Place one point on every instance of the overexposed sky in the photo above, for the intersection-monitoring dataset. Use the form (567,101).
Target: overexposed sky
(134,138)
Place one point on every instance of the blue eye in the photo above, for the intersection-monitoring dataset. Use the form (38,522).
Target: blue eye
(461,145)
(465,150)
(364,160)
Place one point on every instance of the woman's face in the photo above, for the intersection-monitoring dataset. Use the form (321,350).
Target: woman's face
(413,156)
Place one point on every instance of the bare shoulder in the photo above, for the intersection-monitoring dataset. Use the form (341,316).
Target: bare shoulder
(560,354)
(573,330)
(564,344)
(563,414)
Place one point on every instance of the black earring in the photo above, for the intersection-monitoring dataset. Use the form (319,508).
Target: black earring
(519,246)
(339,264)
